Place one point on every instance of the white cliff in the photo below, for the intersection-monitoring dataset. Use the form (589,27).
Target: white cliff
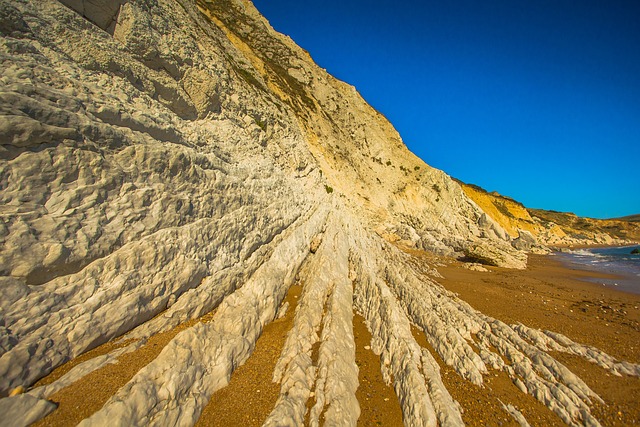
(161,160)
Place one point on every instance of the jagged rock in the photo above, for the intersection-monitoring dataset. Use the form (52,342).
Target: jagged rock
(474,267)
(491,229)
(211,350)
(489,253)
(11,22)
(178,164)
(525,241)
(517,415)
(102,13)
(82,370)
(23,410)
(549,227)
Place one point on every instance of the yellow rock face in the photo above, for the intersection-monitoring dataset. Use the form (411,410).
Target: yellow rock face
(551,228)
(510,214)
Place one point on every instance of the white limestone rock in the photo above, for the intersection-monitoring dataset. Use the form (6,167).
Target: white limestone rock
(24,409)
(83,369)
(184,157)
(474,266)
(517,415)
(200,360)
(496,254)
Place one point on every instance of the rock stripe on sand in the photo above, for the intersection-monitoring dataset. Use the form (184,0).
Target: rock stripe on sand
(175,387)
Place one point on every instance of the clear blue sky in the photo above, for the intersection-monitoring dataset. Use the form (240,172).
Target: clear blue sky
(536,99)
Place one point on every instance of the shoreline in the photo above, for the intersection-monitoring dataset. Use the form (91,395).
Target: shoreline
(548,295)
(558,248)
(617,278)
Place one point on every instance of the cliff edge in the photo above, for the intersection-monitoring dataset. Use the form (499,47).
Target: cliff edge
(180,163)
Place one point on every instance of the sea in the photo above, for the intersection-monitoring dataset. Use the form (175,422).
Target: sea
(611,260)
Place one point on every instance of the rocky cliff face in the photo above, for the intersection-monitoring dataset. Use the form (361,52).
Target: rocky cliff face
(534,228)
(165,160)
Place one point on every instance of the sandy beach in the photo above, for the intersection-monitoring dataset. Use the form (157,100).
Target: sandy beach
(547,296)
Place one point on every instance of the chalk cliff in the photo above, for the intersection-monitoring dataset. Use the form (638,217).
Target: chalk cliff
(165,160)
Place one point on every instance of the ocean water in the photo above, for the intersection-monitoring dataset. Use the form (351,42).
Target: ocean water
(616,260)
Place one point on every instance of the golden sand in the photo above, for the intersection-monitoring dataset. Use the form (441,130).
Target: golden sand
(546,295)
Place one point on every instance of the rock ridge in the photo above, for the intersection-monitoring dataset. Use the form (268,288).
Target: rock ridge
(163,160)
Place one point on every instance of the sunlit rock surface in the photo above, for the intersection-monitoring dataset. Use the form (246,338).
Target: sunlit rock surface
(162,159)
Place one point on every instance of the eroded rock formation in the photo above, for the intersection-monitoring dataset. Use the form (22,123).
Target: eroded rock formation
(533,229)
(167,159)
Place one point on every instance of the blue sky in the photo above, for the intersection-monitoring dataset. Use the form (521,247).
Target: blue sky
(536,99)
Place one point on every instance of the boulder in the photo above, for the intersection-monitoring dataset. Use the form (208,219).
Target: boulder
(489,253)
(474,267)
(491,228)
(525,241)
